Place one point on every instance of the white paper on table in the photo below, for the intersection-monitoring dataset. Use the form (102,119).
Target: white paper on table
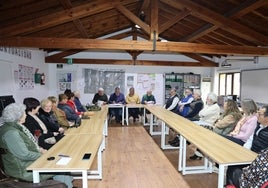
(116,104)
(63,161)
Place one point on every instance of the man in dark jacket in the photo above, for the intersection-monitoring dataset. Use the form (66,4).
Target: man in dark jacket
(194,108)
(172,101)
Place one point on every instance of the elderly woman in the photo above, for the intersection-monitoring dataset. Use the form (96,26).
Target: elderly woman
(47,116)
(60,114)
(20,147)
(34,123)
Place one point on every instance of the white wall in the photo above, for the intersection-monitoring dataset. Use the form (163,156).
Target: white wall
(50,70)
(238,66)
(79,79)
(13,61)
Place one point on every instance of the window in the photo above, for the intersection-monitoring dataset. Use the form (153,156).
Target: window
(229,84)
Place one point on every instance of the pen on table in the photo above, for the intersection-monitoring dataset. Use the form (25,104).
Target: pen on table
(61,155)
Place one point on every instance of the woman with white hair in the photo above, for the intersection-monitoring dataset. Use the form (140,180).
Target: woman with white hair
(19,148)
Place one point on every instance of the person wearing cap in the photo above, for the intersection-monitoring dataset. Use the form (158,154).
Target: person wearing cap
(100,96)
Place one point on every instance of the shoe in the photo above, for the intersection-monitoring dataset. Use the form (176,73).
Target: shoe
(195,157)
(176,144)
(176,139)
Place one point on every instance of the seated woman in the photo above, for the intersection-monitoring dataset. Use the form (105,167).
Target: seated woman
(34,123)
(47,116)
(60,114)
(20,147)
(253,175)
(133,98)
(231,115)
(70,113)
(71,103)
(247,124)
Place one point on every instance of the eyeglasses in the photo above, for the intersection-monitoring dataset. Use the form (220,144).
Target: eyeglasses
(260,113)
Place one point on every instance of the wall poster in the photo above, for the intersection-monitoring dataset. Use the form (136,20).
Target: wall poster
(65,80)
(26,77)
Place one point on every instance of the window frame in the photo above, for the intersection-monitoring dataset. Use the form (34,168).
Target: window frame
(228,84)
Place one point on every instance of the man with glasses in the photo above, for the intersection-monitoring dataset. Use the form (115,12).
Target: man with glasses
(257,143)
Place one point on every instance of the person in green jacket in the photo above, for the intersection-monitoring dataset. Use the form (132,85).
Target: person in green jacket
(18,146)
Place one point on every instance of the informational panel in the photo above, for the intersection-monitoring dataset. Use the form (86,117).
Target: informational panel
(254,85)
(65,80)
(107,79)
(144,82)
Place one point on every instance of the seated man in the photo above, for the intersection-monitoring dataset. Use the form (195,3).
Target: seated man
(100,96)
(183,107)
(193,113)
(116,98)
(77,102)
(172,101)
(208,116)
(148,98)
(133,98)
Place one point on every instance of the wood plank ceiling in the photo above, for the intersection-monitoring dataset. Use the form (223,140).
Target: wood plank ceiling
(198,29)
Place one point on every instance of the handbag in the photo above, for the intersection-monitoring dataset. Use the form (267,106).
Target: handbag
(93,108)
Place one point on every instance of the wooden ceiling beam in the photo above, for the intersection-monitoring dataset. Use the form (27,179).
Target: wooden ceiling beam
(220,21)
(61,17)
(173,21)
(131,62)
(202,60)
(67,4)
(136,20)
(243,9)
(154,20)
(61,55)
(145,5)
(119,45)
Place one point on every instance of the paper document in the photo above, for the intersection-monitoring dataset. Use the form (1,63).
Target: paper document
(63,160)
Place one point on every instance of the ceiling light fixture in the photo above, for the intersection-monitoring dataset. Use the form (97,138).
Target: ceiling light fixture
(225,64)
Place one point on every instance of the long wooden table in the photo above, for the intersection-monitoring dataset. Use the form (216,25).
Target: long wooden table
(74,146)
(89,137)
(215,147)
(97,124)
